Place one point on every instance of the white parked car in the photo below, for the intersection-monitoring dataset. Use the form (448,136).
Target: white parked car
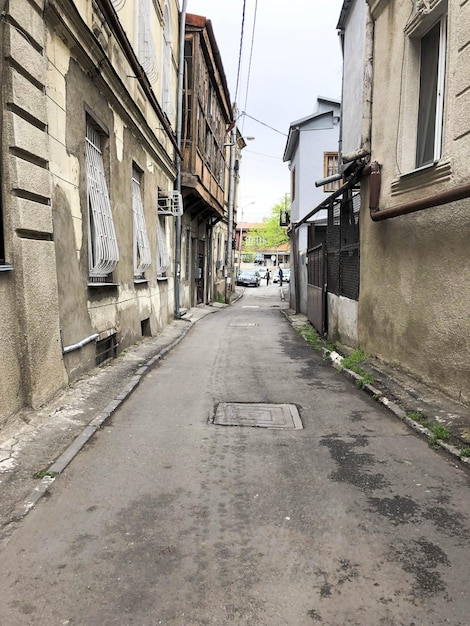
(285,275)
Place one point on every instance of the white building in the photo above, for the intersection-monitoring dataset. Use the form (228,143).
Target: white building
(312,153)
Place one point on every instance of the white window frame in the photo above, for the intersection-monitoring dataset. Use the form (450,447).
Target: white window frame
(103,252)
(426,16)
(438,112)
(163,257)
(142,254)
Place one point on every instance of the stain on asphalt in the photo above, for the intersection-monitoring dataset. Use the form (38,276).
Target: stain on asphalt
(399,509)
(422,558)
(353,465)
(314,615)
(450,523)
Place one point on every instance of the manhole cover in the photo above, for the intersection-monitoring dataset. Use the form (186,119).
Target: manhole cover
(258,415)
(243,324)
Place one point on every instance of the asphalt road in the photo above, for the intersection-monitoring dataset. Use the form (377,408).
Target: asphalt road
(168,518)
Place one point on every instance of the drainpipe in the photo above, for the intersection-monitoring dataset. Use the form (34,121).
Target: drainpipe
(179,129)
(231,196)
(367,83)
(438,199)
(80,344)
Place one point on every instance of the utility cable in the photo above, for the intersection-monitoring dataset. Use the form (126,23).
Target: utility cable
(259,122)
(251,54)
(240,51)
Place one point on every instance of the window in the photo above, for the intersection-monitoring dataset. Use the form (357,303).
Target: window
(163,258)
(330,168)
(103,253)
(145,44)
(431,94)
(292,184)
(142,257)
(167,94)
(422,89)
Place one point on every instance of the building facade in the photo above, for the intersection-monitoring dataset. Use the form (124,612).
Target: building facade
(211,149)
(88,165)
(415,259)
(312,153)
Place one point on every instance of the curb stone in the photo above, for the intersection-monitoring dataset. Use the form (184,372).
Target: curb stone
(336,361)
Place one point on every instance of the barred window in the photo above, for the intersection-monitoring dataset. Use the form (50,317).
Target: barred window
(142,257)
(145,42)
(103,253)
(168,103)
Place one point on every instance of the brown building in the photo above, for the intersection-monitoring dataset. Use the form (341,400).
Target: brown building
(207,169)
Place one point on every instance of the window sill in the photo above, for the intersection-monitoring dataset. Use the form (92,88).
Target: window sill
(98,285)
(140,281)
(422,177)
(162,278)
(6,267)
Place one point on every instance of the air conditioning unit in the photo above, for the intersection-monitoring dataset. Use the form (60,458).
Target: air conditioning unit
(170,203)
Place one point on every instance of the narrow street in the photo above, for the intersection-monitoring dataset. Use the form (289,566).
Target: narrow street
(166,517)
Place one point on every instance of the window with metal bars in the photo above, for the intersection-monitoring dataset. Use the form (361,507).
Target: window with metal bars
(142,255)
(168,103)
(163,257)
(145,42)
(106,350)
(103,253)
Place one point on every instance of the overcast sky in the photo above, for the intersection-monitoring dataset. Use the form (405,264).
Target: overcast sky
(295,57)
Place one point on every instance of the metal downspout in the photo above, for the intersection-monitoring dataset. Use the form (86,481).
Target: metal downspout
(367,84)
(231,196)
(179,132)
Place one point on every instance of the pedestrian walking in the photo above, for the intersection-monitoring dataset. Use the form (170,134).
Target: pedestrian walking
(268,276)
(280,277)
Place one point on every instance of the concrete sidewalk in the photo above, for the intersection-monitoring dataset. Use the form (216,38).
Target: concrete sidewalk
(36,446)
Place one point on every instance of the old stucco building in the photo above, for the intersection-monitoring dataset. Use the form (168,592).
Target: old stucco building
(88,170)
(90,202)
(415,229)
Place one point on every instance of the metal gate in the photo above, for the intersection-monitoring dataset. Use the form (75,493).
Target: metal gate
(343,246)
(316,288)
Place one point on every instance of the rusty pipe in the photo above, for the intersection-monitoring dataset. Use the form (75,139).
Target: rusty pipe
(374,187)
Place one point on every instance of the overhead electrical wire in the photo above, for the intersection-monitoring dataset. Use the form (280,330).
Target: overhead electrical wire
(251,55)
(240,51)
(259,122)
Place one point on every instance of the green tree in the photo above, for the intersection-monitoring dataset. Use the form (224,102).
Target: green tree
(268,235)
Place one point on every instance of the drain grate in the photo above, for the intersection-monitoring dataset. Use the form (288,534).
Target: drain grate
(258,415)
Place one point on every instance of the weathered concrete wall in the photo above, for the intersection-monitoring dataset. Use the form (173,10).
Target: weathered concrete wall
(77,90)
(53,77)
(31,367)
(415,292)
(342,320)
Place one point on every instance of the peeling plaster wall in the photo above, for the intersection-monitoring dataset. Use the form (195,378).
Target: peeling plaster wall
(415,289)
